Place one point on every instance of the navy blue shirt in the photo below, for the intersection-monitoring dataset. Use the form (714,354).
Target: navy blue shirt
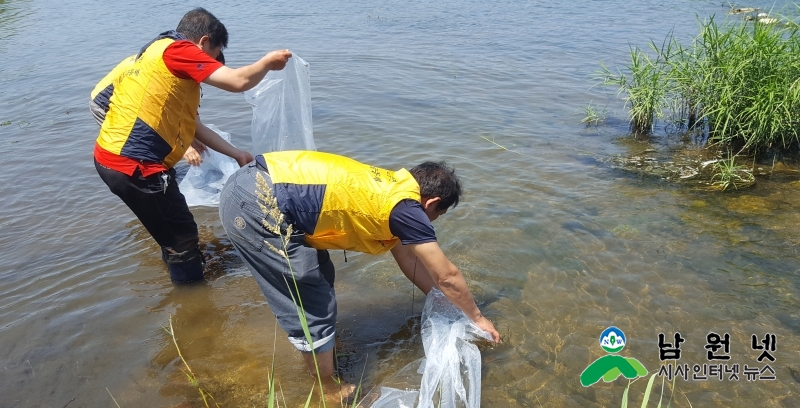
(409,222)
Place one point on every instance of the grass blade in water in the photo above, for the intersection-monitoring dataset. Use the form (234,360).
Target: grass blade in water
(647,391)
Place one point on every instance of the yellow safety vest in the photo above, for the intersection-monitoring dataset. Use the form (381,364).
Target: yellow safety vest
(113,78)
(101,94)
(356,198)
(151,114)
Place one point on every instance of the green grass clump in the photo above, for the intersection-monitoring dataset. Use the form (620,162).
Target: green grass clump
(738,83)
(593,115)
(728,174)
(644,87)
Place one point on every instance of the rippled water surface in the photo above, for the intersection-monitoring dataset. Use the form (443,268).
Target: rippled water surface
(556,244)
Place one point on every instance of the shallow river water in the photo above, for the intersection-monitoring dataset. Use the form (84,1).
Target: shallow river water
(556,243)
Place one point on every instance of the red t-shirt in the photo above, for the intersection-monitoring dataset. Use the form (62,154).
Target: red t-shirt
(184,60)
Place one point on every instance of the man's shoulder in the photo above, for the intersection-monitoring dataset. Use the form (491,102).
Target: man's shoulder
(177,44)
(409,222)
(186,60)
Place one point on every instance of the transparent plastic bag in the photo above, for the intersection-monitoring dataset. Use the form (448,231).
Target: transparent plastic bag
(394,398)
(202,184)
(452,363)
(282,109)
(451,370)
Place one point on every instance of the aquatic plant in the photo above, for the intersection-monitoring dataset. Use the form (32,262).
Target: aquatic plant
(499,145)
(737,83)
(751,97)
(648,389)
(728,174)
(644,86)
(112,398)
(593,115)
(188,372)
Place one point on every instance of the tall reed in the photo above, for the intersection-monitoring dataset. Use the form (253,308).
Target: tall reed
(644,88)
(188,372)
(739,83)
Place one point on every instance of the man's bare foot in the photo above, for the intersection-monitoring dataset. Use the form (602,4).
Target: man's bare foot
(339,393)
(368,399)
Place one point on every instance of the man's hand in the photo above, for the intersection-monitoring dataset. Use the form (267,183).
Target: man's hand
(487,326)
(193,154)
(277,59)
(243,157)
(199,146)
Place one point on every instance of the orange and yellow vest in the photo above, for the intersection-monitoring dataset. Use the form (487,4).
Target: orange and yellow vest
(338,202)
(151,112)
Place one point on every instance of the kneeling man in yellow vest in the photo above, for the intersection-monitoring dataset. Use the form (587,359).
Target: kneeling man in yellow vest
(283,211)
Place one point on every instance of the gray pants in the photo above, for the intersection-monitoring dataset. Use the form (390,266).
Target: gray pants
(311,270)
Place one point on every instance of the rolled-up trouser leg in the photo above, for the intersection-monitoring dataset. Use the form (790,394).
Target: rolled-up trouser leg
(309,280)
(162,209)
(186,266)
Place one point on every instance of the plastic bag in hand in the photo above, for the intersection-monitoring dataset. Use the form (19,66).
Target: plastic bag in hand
(452,363)
(451,371)
(282,109)
(202,184)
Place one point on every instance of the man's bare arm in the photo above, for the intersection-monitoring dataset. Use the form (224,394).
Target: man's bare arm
(212,140)
(248,76)
(442,274)
(413,268)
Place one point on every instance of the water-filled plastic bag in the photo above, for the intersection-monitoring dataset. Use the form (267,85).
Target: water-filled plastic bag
(451,370)
(202,184)
(282,109)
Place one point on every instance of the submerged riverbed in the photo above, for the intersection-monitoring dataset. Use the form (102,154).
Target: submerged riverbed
(556,241)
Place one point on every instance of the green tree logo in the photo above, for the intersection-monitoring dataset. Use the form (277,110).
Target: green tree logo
(610,367)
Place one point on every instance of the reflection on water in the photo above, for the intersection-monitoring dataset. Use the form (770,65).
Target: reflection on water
(12,14)
(556,242)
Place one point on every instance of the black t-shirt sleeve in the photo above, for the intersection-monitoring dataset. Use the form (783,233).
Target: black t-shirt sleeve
(409,222)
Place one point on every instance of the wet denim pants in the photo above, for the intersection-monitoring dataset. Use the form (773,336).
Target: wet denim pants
(311,270)
(162,209)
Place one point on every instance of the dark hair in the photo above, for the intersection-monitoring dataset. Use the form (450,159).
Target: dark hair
(199,22)
(438,180)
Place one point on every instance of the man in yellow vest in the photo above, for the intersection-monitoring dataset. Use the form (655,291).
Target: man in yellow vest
(283,211)
(148,109)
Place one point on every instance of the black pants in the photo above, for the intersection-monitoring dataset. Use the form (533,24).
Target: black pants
(162,209)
